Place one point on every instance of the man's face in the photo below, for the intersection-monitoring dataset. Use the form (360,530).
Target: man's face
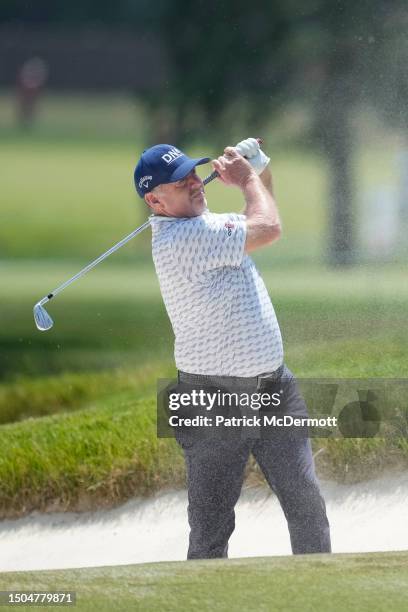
(184,198)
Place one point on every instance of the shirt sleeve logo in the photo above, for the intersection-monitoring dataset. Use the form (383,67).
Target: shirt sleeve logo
(229,227)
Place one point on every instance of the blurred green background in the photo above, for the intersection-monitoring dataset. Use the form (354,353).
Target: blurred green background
(84,88)
(68,195)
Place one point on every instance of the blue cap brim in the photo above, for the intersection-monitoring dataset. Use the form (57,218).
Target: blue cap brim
(186,167)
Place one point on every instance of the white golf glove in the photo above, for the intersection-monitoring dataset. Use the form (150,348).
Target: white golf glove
(250,149)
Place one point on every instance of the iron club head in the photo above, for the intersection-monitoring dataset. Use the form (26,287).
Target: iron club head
(42,319)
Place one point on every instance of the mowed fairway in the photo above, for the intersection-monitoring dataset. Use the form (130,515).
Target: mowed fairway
(309,583)
(74,199)
(334,323)
(64,199)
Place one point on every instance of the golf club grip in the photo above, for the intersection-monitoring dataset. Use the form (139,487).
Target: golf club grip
(214,174)
(210,177)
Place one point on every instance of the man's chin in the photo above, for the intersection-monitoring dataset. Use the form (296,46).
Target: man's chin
(199,207)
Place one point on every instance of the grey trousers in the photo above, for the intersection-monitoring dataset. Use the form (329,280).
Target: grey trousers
(215,473)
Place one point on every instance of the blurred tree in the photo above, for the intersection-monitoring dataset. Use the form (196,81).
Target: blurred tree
(69,13)
(255,51)
(357,58)
(329,54)
(349,41)
(331,46)
(221,53)
(389,88)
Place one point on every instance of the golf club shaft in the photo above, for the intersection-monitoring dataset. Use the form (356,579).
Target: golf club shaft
(117,246)
(95,262)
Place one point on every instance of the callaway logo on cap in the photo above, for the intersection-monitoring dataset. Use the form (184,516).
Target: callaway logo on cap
(161,164)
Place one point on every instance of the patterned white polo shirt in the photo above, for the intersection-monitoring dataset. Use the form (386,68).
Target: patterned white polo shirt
(222,317)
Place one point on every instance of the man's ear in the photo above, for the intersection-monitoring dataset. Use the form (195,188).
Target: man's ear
(153,201)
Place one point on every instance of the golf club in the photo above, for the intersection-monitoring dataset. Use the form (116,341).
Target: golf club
(42,319)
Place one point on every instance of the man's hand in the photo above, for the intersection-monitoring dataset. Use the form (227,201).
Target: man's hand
(233,168)
(250,149)
(262,217)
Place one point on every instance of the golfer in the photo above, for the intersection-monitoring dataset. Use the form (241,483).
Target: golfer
(227,336)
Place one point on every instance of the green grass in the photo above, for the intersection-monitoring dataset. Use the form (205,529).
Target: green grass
(77,117)
(375,582)
(104,449)
(40,396)
(66,200)
(98,445)
(97,456)
(74,200)
(333,323)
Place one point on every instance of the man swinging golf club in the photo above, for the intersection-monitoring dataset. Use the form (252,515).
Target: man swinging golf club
(227,335)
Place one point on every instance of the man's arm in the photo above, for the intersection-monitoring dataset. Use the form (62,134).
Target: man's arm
(262,217)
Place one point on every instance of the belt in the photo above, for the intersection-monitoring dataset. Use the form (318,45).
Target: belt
(212,379)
